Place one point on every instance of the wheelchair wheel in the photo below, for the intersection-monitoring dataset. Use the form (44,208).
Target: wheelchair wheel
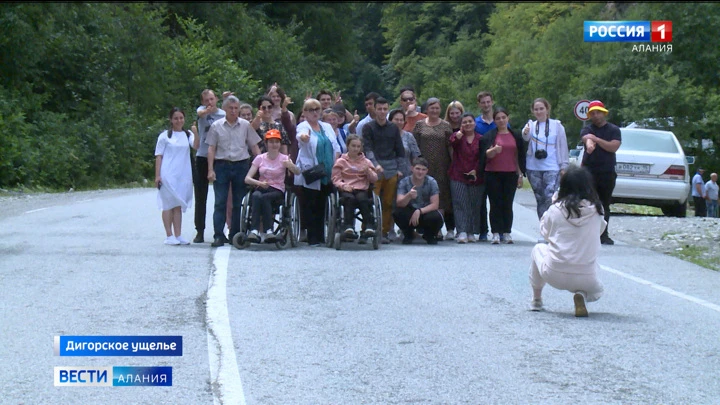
(330,219)
(338,240)
(240,241)
(377,212)
(294,205)
(245,214)
(285,240)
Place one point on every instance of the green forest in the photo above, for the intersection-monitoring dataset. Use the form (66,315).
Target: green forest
(85,88)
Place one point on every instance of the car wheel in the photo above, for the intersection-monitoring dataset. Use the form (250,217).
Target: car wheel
(678,210)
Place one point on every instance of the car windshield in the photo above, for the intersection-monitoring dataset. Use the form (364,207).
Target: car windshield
(648,141)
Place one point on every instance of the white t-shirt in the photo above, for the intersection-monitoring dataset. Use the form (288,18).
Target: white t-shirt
(272,171)
(538,141)
(711,190)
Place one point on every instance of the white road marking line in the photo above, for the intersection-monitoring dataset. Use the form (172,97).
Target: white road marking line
(39,209)
(89,199)
(225,376)
(642,281)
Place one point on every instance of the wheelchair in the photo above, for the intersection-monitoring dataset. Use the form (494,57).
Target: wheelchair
(286,221)
(335,218)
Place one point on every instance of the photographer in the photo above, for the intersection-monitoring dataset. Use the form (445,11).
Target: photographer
(547,154)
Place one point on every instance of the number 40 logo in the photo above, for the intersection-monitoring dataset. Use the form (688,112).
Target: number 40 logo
(661,31)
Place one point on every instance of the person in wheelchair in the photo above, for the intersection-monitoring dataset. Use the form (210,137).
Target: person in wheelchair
(270,185)
(352,174)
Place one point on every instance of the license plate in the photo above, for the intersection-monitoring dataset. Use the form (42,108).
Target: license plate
(632,168)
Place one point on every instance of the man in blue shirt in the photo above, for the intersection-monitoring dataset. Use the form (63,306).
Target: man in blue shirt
(698,193)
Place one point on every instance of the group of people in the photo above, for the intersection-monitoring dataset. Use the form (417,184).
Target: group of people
(705,194)
(427,170)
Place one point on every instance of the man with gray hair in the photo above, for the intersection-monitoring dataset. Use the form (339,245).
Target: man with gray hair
(230,141)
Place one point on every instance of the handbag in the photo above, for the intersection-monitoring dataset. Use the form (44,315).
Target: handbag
(314,173)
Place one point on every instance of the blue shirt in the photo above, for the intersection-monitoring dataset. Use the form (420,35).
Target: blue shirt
(481,127)
(203,126)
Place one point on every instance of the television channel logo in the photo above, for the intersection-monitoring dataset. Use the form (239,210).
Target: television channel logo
(627,31)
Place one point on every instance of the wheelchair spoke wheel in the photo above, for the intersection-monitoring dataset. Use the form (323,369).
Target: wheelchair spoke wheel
(330,220)
(294,219)
(377,212)
(245,213)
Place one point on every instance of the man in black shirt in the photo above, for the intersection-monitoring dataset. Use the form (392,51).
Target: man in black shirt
(602,139)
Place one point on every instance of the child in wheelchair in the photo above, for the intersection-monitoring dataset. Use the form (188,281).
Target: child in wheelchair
(269,187)
(352,174)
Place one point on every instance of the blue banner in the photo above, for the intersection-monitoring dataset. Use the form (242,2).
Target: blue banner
(118,345)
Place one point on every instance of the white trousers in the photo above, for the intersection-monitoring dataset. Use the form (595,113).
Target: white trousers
(540,274)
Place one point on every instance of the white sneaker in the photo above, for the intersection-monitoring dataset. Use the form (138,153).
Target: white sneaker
(471,238)
(536,304)
(254,236)
(392,235)
(462,237)
(496,239)
(508,239)
(450,235)
(182,241)
(171,240)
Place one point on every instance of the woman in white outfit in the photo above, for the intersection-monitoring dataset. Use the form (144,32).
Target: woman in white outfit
(571,227)
(547,154)
(173,175)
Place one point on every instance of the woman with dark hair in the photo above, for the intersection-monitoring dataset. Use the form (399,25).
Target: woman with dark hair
(263,122)
(504,166)
(466,186)
(412,151)
(571,226)
(173,174)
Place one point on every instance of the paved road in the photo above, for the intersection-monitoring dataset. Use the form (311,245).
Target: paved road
(444,324)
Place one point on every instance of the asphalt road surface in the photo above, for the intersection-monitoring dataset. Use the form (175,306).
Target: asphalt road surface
(445,324)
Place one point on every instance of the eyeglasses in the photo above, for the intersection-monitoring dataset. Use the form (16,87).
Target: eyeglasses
(408,99)
(314,110)
(266,107)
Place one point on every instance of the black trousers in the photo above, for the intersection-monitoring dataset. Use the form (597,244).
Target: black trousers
(314,205)
(200,182)
(351,202)
(262,202)
(604,185)
(501,188)
(700,207)
(430,222)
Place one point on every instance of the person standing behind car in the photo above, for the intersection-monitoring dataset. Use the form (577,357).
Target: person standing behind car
(207,113)
(602,139)
(547,155)
(698,193)
(711,196)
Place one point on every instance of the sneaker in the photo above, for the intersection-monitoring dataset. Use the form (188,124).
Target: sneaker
(363,239)
(431,240)
(495,239)
(462,238)
(605,240)
(303,235)
(580,309)
(392,235)
(407,240)
(507,239)
(199,238)
(369,233)
(269,237)
(483,237)
(472,239)
(450,235)
(182,240)
(218,242)
(254,236)
(536,304)
(171,240)
(349,232)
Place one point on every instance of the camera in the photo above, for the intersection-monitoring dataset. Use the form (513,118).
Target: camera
(540,154)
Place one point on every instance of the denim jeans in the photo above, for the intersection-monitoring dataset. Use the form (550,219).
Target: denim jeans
(712,208)
(227,173)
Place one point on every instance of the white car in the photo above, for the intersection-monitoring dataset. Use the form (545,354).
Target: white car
(652,170)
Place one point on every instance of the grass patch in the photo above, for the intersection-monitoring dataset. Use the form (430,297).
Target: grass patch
(635,209)
(694,254)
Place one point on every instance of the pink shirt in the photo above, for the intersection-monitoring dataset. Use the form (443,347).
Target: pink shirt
(505,160)
(271,171)
(351,172)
